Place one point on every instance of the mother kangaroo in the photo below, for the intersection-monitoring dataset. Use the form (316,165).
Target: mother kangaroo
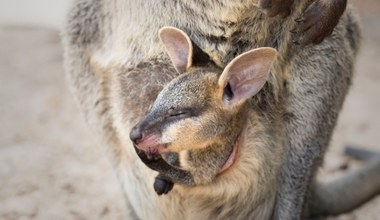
(117,66)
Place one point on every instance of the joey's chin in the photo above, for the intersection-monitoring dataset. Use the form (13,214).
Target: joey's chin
(152,157)
(172,159)
(210,169)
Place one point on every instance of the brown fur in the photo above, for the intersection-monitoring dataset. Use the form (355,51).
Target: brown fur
(117,66)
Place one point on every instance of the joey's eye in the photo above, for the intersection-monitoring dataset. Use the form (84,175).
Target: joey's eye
(177,113)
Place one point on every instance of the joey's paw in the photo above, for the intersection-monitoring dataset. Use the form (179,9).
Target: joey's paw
(162,186)
(318,21)
(276,7)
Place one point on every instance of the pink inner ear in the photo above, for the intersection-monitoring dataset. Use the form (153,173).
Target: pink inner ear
(247,73)
(248,89)
(178,56)
(179,47)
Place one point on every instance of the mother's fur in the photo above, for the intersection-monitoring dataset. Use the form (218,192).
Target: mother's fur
(116,67)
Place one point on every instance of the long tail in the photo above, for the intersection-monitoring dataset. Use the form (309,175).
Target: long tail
(350,191)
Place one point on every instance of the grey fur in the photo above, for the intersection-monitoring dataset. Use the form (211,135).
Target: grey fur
(116,68)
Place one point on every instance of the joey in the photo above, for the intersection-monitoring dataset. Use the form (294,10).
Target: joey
(200,114)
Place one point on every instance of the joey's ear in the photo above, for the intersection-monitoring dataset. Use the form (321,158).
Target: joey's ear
(245,75)
(179,47)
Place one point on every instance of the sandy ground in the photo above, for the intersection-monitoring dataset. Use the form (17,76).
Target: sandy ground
(51,166)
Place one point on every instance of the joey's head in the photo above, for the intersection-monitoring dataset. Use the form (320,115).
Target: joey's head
(197,119)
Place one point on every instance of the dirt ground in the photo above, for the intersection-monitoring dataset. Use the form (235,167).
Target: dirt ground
(51,166)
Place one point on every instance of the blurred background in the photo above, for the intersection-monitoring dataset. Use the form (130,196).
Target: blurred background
(37,13)
(51,166)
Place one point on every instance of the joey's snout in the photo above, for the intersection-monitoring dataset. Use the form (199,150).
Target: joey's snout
(136,135)
(146,141)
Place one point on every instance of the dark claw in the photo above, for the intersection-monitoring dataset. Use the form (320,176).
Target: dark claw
(299,20)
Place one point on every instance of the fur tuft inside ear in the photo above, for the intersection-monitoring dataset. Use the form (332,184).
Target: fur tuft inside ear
(245,75)
(179,47)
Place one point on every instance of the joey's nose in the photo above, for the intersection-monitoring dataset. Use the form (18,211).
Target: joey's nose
(136,135)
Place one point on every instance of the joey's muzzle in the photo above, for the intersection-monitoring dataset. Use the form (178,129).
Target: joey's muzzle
(136,135)
(147,142)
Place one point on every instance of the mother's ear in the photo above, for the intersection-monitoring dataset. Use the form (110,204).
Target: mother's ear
(245,75)
(179,47)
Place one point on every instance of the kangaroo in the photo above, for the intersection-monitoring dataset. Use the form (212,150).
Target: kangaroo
(117,67)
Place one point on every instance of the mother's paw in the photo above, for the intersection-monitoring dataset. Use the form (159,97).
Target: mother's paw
(318,21)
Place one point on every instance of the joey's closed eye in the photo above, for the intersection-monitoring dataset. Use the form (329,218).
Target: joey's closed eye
(178,113)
